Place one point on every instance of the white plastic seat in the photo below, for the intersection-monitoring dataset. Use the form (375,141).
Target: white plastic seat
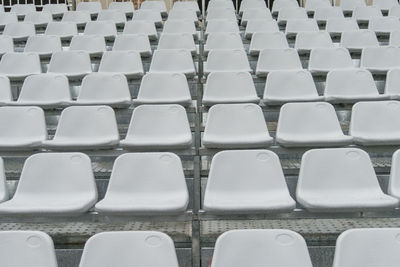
(4,195)
(133,42)
(106,28)
(127,62)
(177,41)
(294,26)
(291,13)
(141,27)
(7,17)
(169,60)
(180,14)
(394,11)
(64,30)
(394,180)
(255,13)
(45,90)
(246,181)
(266,246)
(180,27)
(54,184)
(55,9)
(44,45)
(337,26)
(38,18)
(164,88)
(322,60)
(380,59)
(221,25)
(365,13)
(289,86)
(85,127)
(349,5)
(236,126)
(158,127)
(226,60)
(384,25)
(357,248)
(254,4)
(306,41)
(116,16)
(267,40)
(221,13)
(229,87)
(155,5)
(17,66)
(148,248)
(148,15)
(22,9)
(186,5)
(321,15)
(19,31)
(104,89)
(340,180)
(142,184)
(78,17)
(5,90)
(127,7)
(21,128)
(375,123)
(392,88)
(355,41)
(394,39)
(32,247)
(224,41)
(73,64)
(349,86)
(260,26)
(385,5)
(6,44)
(277,59)
(92,44)
(312,5)
(220,4)
(90,7)
(279,4)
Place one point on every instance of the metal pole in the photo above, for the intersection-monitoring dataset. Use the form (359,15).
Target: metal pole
(203,8)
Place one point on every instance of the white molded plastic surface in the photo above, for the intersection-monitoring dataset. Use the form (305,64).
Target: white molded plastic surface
(340,180)
(322,60)
(22,9)
(255,13)
(236,126)
(180,27)
(252,5)
(394,39)
(385,5)
(27,248)
(108,29)
(384,25)
(289,86)
(306,41)
(294,26)
(73,64)
(221,13)
(260,25)
(246,181)
(141,27)
(350,5)
(148,15)
(221,25)
(55,9)
(65,30)
(291,13)
(279,4)
(78,17)
(394,180)
(7,17)
(17,66)
(227,60)
(92,44)
(116,16)
(229,87)
(54,184)
(365,13)
(177,41)
(310,124)
(339,25)
(267,40)
(181,14)
(6,44)
(392,84)
(380,59)
(164,88)
(38,18)
(5,90)
(376,123)
(261,247)
(19,31)
(126,7)
(85,127)
(146,184)
(127,62)
(158,6)
(394,11)
(186,5)
(277,59)
(313,5)
(133,42)
(326,13)
(44,45)
(89,7)
(104,89)
(146,248)
(158,127)
(358,40)
(224,41)
(173,61)
(3,183)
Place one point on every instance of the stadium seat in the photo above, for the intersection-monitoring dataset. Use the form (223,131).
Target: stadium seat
(39,19)
(394,39)
(289,86)
(322,14)
(22,9)
(148,15)
(5,90)
(246,181)
(323,60)
(73,64)
(255,13)
(27,248)
(336,27)
(164,88)
(312,5)
(147,248)
(392,88)
(375,123)
(85,127)
(177,41)
(158,127)
(56,10)
(309,124)
(186,5)
(19,31)
(141,27)
(394,180)
(267,40)
(279,4)
(355,41)
(45,90)
(358,248)
(350,86)
(252,5)
(4,195)
(95,45)
(365,13)
(394,11)
(384,25)
(133,42)
(126,7)
(6,44)
(221,13)
(44,45)
(173,61)
(306,41)
(180,14)
(21,128)
(158,6)
(17,66)
(64,30)
(385,5)
(106,28)
(340,180)
(90,7)
(226,60)
(221,25)
(380,59)
(116,16)
(78,17)
(220,4)
(277,59)
(7,17)
(127,62)
(349,5)
(294,26)
(260,247)
(54,184)
(224,41)
(146,184)
(291,13)
(260,26)
(104,89)
(180,27)
(236,126)
(229,87)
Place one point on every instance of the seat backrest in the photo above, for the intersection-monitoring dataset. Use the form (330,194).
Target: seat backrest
(104,28)
(20,64)
(22,9)
(61,29)
(359,39)
(88,43)
(325,13)
(3,183)
(6,44)
(43,44)
(227,60)
(55,9)
(223,40)
(5,89)
(78,17)
(37,18)
(126,7)
(90,7)
(19,29)
(115,16)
